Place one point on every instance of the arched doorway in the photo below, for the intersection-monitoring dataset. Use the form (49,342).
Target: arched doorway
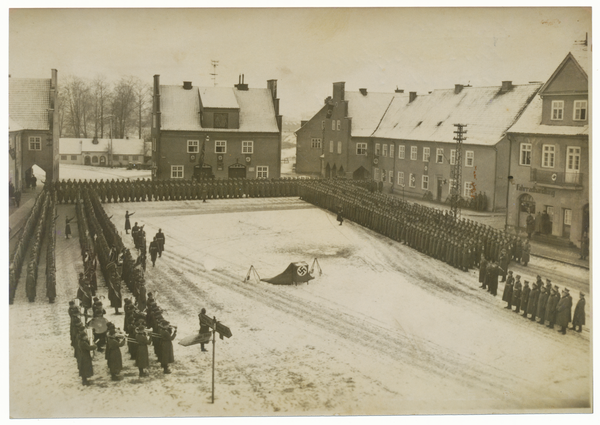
(327,170)
(103,161)
(585,220)
(87,160)
(334,171)
(237,171)
(94,160)
(341,172)
(361,173)
(526,207)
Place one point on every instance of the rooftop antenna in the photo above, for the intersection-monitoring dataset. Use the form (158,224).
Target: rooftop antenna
(214,64)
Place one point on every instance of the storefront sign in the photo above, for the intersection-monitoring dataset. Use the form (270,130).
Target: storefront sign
(541,190)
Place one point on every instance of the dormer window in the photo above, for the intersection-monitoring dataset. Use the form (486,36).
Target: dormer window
(580,110)
(221,120)
(558,107)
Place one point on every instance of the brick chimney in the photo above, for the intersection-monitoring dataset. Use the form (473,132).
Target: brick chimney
(412,96)
(458,88)
(339,91)
(363,91)
(156,96)
(241,85)
(398,90)
(187,85)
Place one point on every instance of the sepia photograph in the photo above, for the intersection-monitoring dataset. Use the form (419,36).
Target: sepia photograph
(299,212)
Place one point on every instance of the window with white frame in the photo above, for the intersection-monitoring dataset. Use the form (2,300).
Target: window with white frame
(384,150)
(452,156)
(425,182)
(401,178)
(376,174)
(452,187)
(176,171)
(391,151)
(339,150)
(73,157)
(390,177)
(361,148)
(339,125)
(413,153)
(323,125)
(63,157)
(401,151)
(333,124)
(262,172)
(220,146)
(580,110)
(193,146)
(331,146)
(568,216)
(383,175)
(412,182)
(439,155)
(125,157)
(469,158)
(426,154)
(135,158)
(377,149)
(35,143)
(548,153)
(468,189)
(525,155)
(315,142)
(558,107)
(247,146)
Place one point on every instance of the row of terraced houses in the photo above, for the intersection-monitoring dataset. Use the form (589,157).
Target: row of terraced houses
(526,145)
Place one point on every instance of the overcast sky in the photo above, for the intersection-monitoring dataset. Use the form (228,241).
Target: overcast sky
(306,50)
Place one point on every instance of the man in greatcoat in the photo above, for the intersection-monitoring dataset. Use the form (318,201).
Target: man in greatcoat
(551,306)
(516,297)
(153,250)
(482,272)
(113,356)
(579,315)
(542,303)
(525,297)
(143,341)
(167,335)
(533,301)
(563,311)
(508,290)
(86,369)
(160,239)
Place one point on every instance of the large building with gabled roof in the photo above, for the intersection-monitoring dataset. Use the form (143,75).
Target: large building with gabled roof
(33,127)
(549,156)
(220,132)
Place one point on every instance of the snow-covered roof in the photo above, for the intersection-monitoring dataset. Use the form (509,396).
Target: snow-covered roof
(218,97)
(488,113)
(29,102)
(180,108)
(75,146)
(531,123)
(367,110)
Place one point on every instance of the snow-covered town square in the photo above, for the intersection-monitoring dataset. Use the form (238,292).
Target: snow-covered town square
(220,238)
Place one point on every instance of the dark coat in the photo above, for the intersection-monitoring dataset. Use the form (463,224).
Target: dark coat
(166,347)
(563,311)
(579,315)
(551,307)
(525,297)
(508,291)
(113,354)
(482,270)
(142,350)
(542,302)
(516,296)
(86,369)
(533,301)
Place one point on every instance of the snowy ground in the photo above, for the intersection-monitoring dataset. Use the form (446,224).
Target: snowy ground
(87,172)
(384,329)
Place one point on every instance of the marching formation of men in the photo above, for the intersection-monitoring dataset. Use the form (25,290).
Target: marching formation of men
(142,329)
(460,243)
(463,244)
(142,190)
(546,303)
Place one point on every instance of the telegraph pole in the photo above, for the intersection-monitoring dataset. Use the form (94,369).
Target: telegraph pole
(214,64)
(456,172)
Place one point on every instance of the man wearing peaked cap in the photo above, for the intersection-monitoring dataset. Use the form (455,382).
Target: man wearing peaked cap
(563,311)
(142,339)
(525,297)
(579,315)
(167,335)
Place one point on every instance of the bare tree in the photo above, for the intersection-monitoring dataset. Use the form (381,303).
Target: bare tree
(76,99)
(143,102)
(123,103)
(101,94)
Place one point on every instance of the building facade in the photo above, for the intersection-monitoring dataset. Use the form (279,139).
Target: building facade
(101,152)
(215,131)
(549,155)
(33,127)
(407,141)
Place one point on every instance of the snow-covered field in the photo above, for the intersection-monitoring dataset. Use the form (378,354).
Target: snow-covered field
(87,172)
(384,329)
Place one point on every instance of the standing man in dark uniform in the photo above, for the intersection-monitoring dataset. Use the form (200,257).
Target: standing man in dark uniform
(127,222)
(160,240)
(153,249)
(167,335)
(563,311)
(203,328)
(579,315)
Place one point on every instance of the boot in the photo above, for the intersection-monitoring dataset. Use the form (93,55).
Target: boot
(115,377)
(166,370)
(85,382)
